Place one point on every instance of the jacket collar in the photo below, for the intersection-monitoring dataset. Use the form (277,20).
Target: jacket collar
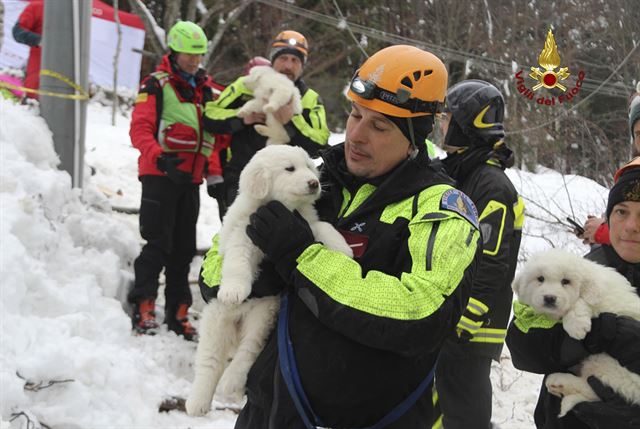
(406,180)
(167,66)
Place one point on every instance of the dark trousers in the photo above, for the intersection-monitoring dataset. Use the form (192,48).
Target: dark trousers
(464,387)
(168,216)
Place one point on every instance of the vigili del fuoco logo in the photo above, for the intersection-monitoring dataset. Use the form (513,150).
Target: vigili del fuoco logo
(548,77)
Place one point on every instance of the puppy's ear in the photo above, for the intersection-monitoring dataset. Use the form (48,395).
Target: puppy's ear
(517,283)
(590,287)
(254,180)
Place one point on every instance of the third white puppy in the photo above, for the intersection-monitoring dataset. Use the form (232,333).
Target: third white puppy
(567,287)
(271,91)
(229,325)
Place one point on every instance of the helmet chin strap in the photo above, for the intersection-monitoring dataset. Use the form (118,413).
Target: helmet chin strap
(414,151)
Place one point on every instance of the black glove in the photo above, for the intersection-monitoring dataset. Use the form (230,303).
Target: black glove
(602,333)
(612,412)
(619,336)
(571,351)
(168,164)
(216,191)
(281,234)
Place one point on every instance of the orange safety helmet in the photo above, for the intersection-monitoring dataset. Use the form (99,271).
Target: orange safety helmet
(289,42)
(401,81)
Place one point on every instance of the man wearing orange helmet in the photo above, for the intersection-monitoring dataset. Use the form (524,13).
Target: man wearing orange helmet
(308,130)
(357,339)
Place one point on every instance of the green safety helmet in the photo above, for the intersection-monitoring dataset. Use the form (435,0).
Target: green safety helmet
(187,38)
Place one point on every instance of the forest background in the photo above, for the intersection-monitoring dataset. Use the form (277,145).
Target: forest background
(486,39)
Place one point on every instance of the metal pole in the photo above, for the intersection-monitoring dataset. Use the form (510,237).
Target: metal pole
(65,42)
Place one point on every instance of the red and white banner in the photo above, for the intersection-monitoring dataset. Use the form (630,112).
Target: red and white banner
(104,38)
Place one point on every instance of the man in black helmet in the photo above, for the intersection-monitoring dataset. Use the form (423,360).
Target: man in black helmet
(477,157)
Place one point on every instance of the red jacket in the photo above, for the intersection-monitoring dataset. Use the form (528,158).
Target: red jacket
(602,234)
(147,113)
(31,20)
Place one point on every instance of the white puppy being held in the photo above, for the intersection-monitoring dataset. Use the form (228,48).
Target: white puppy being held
(572,289)
(271,91)
(230,325)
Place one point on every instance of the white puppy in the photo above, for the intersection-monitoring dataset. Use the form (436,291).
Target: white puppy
(231,327)
(567,287)
(271,91)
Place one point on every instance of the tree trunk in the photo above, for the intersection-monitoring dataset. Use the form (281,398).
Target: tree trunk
(154,33)
(116,59)
(233,15)
(171,13)
(191,10)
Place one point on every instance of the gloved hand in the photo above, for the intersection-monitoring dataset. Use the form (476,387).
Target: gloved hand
(612,412)
(215,187)
(281,234)
(619,336)
(472,319)
(168,164)
(602,333)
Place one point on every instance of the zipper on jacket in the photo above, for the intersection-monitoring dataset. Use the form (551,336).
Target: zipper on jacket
(200,135)
(430,243)
(470,236)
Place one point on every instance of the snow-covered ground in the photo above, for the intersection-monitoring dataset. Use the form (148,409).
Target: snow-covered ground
(65,255)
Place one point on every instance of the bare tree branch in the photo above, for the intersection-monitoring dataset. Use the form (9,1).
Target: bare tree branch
(171,13)
(233,15)
(205,20)
(155,38)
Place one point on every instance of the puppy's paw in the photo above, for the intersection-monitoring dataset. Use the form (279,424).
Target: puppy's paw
(234,294)
(330,237)
(556,384)
(198,405)
(231,388)
(339,245)
(568,402)
(263,130)
(576,327)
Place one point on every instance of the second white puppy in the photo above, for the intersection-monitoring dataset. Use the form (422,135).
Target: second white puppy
(567,287)
(271,91)
(231,327)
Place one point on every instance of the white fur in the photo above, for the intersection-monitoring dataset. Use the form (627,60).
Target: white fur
(230,325)
(567,287)
(271,91)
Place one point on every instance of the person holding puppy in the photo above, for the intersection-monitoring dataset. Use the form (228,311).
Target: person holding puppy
(358,338)
(477,157)
(174,159)
(541,345)
(308,130)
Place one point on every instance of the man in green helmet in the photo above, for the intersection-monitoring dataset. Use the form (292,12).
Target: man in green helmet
(174,157)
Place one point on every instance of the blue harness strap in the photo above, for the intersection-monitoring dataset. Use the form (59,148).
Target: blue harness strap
(289,370)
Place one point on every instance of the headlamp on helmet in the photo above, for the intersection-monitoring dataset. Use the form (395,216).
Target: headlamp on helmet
(289,42)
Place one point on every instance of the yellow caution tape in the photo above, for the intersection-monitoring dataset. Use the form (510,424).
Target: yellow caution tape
(83,95)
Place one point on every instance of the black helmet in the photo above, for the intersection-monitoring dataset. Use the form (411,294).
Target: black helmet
(477,110)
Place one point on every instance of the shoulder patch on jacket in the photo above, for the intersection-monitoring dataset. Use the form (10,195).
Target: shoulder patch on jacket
(142,97)
(458,202)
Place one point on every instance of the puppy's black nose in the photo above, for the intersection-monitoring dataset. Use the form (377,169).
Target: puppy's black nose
(549,300)
(313,184)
